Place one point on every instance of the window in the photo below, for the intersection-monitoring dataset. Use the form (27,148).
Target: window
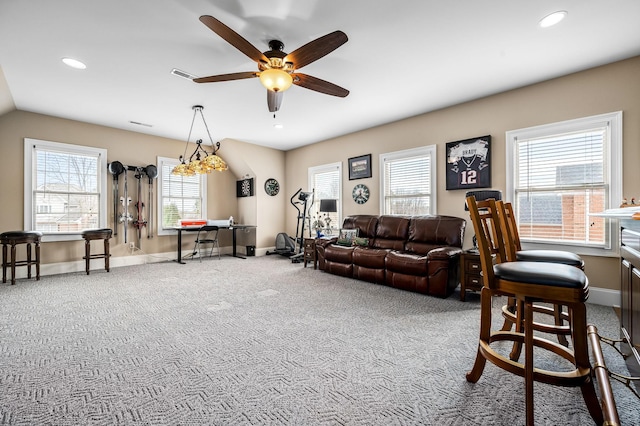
(179,197)
(64,188)
(326,182)
(557,174)
(408,181)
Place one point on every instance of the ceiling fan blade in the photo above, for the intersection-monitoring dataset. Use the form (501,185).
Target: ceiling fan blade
(319,85)
(226,77)
(233,38)
(316,49)
(274,100)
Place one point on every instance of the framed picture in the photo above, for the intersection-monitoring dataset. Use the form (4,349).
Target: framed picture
(469,163)
(360,167)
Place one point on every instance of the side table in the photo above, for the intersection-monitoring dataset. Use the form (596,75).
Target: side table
(470,272)
(310,252)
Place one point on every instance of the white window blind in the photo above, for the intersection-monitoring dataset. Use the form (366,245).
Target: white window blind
(180,197)
(326,182)
(562,173)
(561,180)
(408,182)
(65,187)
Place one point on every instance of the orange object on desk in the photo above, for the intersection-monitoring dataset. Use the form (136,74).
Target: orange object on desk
(193,222)
(636,216)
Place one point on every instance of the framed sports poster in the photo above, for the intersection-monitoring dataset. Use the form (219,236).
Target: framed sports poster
(360,167)
(469,163)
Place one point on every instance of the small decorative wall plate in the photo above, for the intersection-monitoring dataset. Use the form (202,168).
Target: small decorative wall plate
(360,193)
(271,187)
(244,187)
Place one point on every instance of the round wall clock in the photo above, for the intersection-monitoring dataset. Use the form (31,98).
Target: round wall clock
(360,193)
(271,187)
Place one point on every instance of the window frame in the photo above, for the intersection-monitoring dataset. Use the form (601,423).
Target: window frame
(29,181)
(326,168)
(172,162)
(427,150)
(612,168)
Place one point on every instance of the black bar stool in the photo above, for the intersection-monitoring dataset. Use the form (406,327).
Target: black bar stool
(96,234)
(14,238)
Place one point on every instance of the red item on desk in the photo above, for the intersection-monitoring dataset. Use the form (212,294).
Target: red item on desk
(193,222)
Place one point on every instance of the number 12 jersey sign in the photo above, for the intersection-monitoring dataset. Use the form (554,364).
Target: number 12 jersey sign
(469,163)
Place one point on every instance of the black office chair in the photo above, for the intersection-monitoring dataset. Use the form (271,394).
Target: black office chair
(207,234)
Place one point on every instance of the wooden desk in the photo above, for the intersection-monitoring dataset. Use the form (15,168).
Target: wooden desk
(232,228)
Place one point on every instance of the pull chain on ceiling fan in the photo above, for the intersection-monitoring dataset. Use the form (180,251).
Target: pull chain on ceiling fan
(277,69)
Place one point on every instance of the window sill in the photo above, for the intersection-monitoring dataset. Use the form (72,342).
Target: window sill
(577,249)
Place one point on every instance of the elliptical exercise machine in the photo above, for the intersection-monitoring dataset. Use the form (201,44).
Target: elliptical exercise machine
(285,245)
(305,199)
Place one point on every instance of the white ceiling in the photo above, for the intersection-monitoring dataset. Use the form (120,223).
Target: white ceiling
(403,58)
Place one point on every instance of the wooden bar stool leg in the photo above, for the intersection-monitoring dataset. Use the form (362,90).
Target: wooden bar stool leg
(38,261)
(557,314)
(106,254)
(528,360)
(485,335)
(519,325)
(13,264)
(4,263)
(29,260)
(87,254)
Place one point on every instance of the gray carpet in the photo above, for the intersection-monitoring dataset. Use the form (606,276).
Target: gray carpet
(256,341)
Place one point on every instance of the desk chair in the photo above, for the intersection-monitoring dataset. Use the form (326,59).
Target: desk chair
(514,252)
(529,282)
(206,235)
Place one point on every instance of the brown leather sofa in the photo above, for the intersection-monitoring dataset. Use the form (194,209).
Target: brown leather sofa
(415,253)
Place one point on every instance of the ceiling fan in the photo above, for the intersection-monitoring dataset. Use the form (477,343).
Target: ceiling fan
(277,69)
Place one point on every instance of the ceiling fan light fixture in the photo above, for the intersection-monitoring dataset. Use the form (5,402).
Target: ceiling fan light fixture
(276,80)
(552,19)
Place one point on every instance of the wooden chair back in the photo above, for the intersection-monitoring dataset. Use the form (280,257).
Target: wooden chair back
(486,223)
(509,228)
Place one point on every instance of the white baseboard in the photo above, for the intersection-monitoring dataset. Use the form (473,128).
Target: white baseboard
(604,296)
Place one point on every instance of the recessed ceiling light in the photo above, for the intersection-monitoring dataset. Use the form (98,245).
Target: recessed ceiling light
(552,19)
(278,126)
(74,63)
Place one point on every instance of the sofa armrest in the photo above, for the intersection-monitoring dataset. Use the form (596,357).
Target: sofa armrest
(323,242)
(444,253)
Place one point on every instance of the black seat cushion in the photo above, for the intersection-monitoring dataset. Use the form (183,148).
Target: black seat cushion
(551,274)
(551,256)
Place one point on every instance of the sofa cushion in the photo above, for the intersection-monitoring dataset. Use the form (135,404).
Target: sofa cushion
(369,257)
(406,263)
(365,224)
(392,232)
(429,232)
(339,254)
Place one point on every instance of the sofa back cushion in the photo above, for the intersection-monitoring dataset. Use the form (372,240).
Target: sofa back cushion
(365,224)
(392,232)
(428,232)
